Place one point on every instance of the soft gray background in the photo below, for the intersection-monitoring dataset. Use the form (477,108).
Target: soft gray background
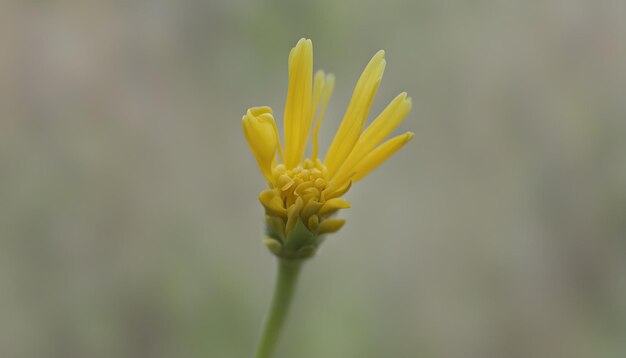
(129,220)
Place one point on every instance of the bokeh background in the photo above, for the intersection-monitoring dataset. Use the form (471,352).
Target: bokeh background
(129,220)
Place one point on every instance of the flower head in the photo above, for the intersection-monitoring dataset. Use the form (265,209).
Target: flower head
(303,192)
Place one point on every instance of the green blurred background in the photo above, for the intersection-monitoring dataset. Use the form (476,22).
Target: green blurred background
(129,220)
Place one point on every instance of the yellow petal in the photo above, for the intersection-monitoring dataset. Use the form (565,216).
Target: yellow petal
(272,202)
(261,134)
(388,120)
(326,91)
(380,154)
(298,115)
(318,86)
(334,205)
(331,225)
(356,114)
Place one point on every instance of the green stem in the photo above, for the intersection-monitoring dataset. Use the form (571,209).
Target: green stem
(288,270)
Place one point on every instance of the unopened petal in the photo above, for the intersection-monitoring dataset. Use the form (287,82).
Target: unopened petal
(313,223)
(331,225)
(260,131)
(272,202)
(310,208)
(334,205)
(293,213)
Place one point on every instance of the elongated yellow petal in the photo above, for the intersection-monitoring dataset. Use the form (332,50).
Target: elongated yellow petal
(330,225)
(318,86)
(261,134)
(388,120)
(356,114)
(380,154)
(326,92)
(391,117)
(298,115)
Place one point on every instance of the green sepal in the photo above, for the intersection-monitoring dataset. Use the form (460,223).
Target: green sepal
(275,228)
(298,237)
(299,243)
(273,245)
(306,252)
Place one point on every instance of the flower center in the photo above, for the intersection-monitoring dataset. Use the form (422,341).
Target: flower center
(307,181)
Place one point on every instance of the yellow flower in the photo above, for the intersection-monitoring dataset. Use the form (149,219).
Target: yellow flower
(304,193)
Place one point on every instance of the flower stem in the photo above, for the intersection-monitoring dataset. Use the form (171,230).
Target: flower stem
(288,271)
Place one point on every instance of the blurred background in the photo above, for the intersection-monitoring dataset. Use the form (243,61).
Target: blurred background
(129,219)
